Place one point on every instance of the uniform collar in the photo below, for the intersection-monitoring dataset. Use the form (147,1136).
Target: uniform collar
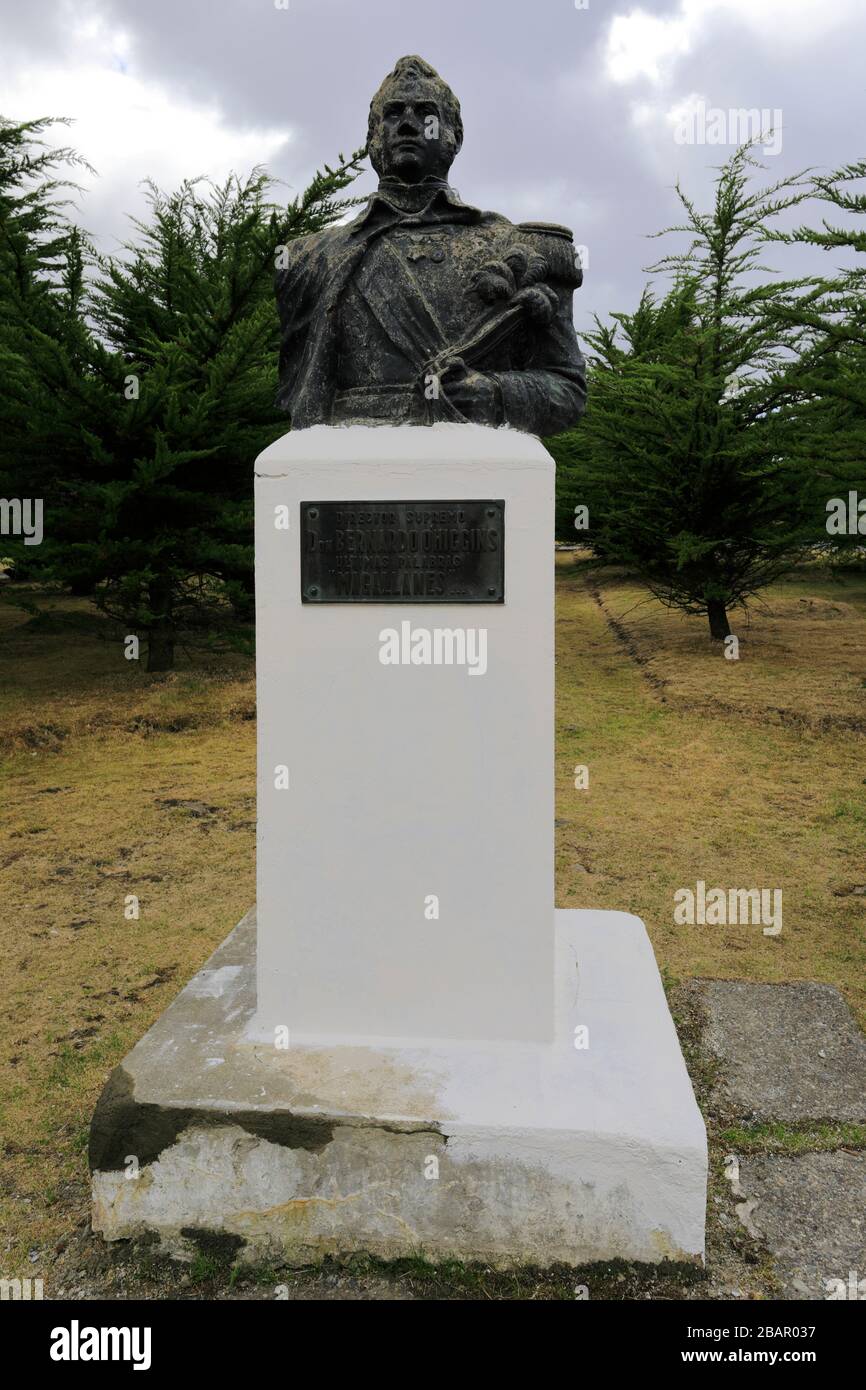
(432,200)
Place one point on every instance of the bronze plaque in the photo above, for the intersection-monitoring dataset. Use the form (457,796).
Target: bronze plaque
(403,552)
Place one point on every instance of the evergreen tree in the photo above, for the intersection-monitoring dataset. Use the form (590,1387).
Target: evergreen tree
(681,454)
(41,287)
(828,388)
(162,399)
(649,336)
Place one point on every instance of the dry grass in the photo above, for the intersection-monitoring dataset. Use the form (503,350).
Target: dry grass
(692,775)
(802,652)
(65,675)
(88,777)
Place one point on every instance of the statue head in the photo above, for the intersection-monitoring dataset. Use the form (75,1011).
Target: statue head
(414,130)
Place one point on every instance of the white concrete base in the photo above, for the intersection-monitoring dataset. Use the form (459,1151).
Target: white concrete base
(518,1153)
(405,862)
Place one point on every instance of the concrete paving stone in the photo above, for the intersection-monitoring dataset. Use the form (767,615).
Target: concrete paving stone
(809,1210)
(788,1052)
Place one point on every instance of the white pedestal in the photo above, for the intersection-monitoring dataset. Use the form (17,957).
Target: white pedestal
(406,783)
(500,1082)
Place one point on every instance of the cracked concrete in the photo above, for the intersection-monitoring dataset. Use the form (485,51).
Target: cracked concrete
(787,1052)
(504,1153)
(791,1056)
(809,1210)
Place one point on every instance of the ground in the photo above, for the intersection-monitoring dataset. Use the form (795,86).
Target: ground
(746,773)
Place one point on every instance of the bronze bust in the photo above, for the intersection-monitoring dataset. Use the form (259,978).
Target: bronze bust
(423,308)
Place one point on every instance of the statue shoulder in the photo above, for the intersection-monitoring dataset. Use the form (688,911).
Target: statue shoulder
(556,244)
(308,254)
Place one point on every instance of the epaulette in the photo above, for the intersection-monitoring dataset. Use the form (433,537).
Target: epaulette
(556,245)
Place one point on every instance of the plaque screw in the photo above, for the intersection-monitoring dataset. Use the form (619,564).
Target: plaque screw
(490,511)
(313,513)
(313,592)
(492,593)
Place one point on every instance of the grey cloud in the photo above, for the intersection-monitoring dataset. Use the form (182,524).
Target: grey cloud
(547,134)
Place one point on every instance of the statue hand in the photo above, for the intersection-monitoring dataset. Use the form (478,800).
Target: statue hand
(538,301)
(475,395)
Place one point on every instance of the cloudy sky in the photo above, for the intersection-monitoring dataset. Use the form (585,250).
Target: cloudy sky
(576,111)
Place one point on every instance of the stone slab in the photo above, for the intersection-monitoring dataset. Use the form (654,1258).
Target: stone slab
(787,1052)
(544,1152)
(810,1212)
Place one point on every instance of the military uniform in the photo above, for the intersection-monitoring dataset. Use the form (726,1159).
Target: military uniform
(365,307)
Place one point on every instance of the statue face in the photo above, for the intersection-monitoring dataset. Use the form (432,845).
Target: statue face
(413,141)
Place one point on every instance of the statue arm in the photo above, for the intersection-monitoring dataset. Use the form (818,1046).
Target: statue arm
(298,287)
(549,395)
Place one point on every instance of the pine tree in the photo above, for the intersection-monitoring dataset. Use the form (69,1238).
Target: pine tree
(648,337)
(828,388)
(163,397)
(41,287)
(681,453)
